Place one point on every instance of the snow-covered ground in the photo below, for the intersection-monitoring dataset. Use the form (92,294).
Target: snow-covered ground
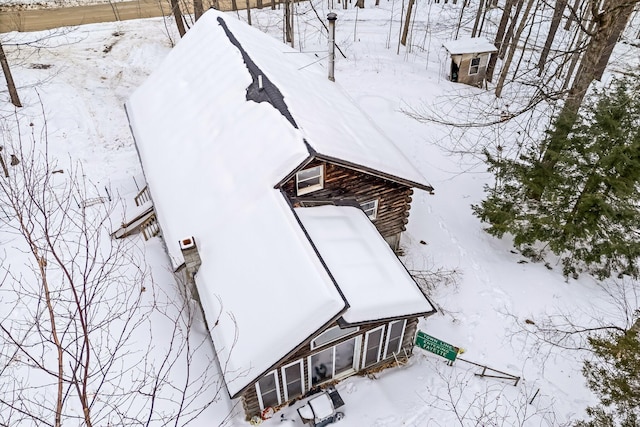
(80,79)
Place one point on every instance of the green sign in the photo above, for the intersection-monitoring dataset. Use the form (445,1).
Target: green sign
(434,345)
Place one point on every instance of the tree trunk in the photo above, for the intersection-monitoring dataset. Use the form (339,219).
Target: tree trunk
(464,5)
(248,12)
(523,48)
(575,55)
(507,37)
(512,50)
(619,25)
(177,14)
(499,36)
(234,5)
(573,13)
(198,9)
(558,10)
(13,92)
(481,7)
(605,20)
(405,30)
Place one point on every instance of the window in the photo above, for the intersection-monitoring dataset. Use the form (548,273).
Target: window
(334,362)
(268,390)
(331,335)
(309,180)
(372,347)
(394,338)
(321,367)
(293,380)
(475,66)
(370,208)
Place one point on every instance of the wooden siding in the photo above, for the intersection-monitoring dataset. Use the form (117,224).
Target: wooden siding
(250,399)
(465,64)
(340,183)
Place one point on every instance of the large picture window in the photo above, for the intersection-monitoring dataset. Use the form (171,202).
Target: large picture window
(268,390)
(395,333)
(309,180)
(334,362)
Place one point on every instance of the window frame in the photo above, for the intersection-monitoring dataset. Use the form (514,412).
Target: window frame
(366,343)
(284,378)
(259,391)
(389,328)
(477,67)
(310,188)
(332,374)
(352,329)
(374,215)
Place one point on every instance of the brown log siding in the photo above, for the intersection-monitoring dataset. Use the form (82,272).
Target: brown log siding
(250,397)
(394,200)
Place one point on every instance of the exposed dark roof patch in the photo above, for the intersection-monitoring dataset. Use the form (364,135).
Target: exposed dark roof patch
(269,92)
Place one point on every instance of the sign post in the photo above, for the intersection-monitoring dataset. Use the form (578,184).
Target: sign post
(434,345)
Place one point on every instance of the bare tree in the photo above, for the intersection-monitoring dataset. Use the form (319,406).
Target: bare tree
(465,400)
(502,26)
(512,49)
(177,14)
(11,86)
(558,9)
(605,19)
(86,336)
(405,30)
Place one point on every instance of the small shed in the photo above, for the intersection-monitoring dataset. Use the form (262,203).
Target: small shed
(469,59)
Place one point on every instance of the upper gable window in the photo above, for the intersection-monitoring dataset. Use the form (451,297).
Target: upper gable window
(370,208)
(332,334)
(475,66)
(309,180)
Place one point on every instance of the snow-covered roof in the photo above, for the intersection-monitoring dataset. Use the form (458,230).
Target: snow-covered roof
(213,153)
(373,280)
(469,45)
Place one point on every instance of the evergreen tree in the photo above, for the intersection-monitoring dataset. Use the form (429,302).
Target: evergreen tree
(587,209)
(614,375)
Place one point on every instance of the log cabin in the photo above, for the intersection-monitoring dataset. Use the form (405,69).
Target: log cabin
(469,59)
(282,203)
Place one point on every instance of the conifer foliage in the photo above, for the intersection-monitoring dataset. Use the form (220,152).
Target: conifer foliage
(614,375)
(587,208)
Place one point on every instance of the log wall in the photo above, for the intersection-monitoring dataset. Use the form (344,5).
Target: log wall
(340,183)
(250,398)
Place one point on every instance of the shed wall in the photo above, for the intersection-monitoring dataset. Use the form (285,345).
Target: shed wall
(464,62)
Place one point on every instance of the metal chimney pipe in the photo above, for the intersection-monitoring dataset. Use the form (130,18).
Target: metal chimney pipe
(332,17)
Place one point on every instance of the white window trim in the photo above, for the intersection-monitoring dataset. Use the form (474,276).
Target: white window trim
(375,208)
(333,366)
(259,393)
(386,346)
(311,188)
(313,346)
(366,343)
(479,58)
(284,377)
